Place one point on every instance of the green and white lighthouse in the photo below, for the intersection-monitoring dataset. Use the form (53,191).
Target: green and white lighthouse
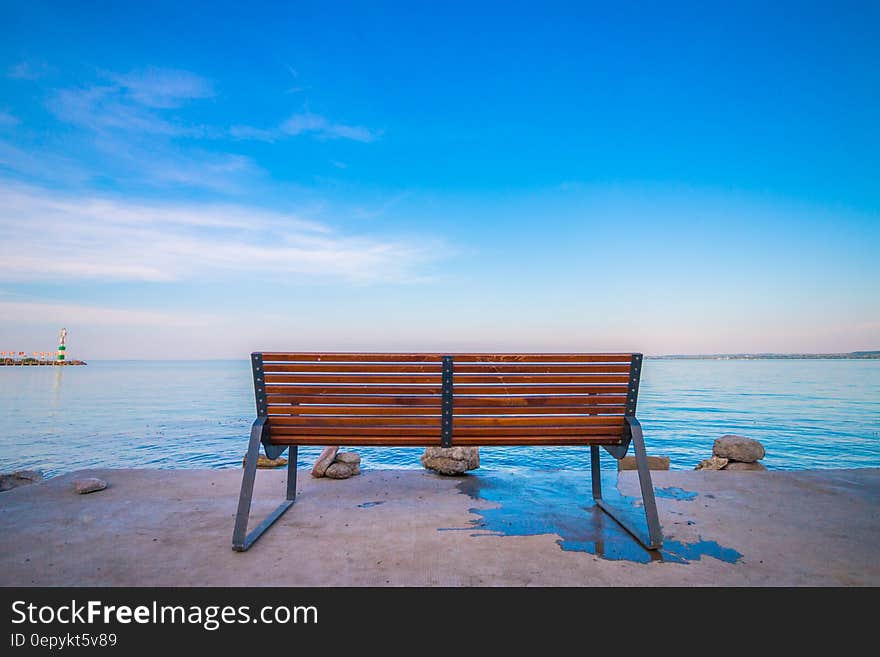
(62,344)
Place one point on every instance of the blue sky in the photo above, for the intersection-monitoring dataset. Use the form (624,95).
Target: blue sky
(208,180)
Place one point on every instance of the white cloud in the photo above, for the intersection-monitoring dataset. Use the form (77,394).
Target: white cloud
(256,134)
(106,108)
(220,172)
(85,314)
(164,88)
(133,102)
(48,236)
(323,128)
(315,125)
(38,163)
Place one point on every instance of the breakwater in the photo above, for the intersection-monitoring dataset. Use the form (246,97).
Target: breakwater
(24,362)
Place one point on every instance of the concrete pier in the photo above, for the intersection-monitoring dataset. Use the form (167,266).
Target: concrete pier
(408,527)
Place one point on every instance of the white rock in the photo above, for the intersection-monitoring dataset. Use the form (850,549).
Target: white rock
(89,485)
(324,461)
(714,463)
(451,460)
(340,470)
(348,457)
(738,448)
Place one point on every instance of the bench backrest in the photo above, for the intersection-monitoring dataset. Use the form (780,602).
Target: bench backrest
(446,399)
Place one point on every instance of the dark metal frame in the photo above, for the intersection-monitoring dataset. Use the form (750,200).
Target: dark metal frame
(446,401)
(654,539)
(241,540)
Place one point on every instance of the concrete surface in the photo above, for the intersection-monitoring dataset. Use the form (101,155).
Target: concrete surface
(386,527)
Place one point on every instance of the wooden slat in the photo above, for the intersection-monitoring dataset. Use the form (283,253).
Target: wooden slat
(510,390)
(351,378)
(542,358)
(539,410)
(287,420)
(352,357)
(472,432)
(494,433)
(459,421)
(389,400)
(280,430)
(366,368)
(555,368)
(425,441)
(521,421)
(406,411)
(547,441)
(535,390)
(361,441)
(352,390)
(539,378)
(539,402)
(287,409)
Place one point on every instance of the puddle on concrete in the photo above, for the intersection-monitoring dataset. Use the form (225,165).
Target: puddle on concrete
(561,502)
(675,493)
(367,505)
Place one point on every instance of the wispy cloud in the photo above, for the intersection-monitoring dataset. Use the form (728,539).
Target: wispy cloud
(246,132)
(28,70)
(38,163)
(306,123)
(132,102)
(323,128)
(107,108)
(139,140)
(92,315)
(102,238)
(164,88)
(220,172)
(132,128)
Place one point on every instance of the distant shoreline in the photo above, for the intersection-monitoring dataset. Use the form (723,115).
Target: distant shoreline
(853,355)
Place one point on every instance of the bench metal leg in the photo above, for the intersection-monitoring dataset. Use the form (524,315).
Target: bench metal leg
(655,538)
(241,540)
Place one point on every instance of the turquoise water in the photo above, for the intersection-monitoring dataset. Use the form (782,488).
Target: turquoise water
(197,414)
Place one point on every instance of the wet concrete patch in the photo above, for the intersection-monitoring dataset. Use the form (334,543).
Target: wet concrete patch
(560,502)
(675,493)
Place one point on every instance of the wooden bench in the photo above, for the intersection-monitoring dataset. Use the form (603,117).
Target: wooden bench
(421,399)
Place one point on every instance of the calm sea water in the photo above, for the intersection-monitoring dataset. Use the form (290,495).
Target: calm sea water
(197,414)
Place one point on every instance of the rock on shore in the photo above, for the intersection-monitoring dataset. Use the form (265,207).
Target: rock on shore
(89,485)
(654,463)
(451,460)
(337,465)
(19,478)
(738,448)
(732,452)
(265,462)
(323,461)
(714,463)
